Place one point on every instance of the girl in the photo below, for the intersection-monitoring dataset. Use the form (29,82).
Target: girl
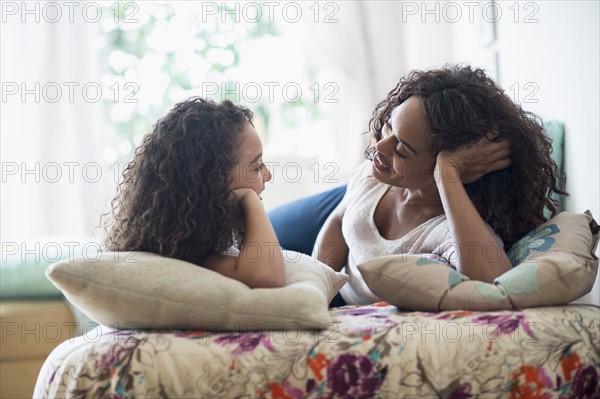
(192,192)
(455,169)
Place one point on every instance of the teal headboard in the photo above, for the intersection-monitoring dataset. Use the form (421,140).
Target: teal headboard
(556,131)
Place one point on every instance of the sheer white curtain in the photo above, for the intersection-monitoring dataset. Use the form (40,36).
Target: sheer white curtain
(54,182)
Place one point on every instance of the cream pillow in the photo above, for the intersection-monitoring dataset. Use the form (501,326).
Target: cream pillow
(552,265)
(141,290)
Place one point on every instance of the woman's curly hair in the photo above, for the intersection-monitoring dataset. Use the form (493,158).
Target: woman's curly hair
(174,199)
(461,105)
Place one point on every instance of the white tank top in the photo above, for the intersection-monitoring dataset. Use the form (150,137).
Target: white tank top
(365,243)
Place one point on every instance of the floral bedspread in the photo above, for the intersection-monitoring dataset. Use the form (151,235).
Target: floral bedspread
(372,351)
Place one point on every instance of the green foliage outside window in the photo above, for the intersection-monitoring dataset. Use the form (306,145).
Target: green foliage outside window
(128,31)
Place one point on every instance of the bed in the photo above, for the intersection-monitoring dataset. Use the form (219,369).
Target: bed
(374,351)
(522,337)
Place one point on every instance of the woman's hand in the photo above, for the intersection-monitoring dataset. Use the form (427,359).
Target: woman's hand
(474,161)
(473,239)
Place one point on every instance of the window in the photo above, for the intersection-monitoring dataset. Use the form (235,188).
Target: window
(157,54)
(86,80)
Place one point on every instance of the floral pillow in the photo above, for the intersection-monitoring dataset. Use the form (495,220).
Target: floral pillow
(552,265)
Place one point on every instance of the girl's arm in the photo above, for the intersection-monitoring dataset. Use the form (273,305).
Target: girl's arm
(330,247)
(480,256)
(260,263)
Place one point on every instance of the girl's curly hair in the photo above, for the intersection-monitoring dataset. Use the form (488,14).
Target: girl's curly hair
(174,199)
(462,105)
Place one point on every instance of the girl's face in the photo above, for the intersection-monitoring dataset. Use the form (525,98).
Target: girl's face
(403,157)
(250,171)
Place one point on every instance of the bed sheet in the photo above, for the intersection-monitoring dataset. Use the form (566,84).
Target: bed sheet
(371,351)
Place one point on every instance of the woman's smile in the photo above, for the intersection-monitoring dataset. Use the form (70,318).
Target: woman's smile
(379,165)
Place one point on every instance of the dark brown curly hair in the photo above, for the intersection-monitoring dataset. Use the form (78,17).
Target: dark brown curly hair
(462,104)
(174,199)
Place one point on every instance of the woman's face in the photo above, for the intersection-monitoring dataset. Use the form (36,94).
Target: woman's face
(250,171)
(403,157)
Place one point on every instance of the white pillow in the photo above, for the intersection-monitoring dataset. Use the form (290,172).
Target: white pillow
(141,290)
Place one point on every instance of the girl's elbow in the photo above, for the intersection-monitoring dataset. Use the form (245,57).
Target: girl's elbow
(268,279)
(268,283)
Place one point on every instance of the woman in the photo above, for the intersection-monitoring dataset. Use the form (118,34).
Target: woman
(456,170)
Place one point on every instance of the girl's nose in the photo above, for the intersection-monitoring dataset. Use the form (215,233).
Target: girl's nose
(267,174)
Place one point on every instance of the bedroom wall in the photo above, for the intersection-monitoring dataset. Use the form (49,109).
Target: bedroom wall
(548,60)
(560,54)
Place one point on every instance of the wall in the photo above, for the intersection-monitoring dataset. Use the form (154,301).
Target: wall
(550,64)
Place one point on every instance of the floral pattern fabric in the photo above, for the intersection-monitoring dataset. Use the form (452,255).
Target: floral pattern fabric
(371,351)
(538,240)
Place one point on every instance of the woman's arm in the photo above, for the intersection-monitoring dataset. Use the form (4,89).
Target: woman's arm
(330,247)
(260,263)
(480,256)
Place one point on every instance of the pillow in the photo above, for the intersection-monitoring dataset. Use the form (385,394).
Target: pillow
(298,223)
(552,265)
(141,290)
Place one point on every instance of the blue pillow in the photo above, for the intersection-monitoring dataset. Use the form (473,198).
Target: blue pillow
(298,223)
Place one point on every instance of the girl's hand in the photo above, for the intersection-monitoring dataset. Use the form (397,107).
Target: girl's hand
(474,161)
(244,194)
(246,199)
(260,261)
